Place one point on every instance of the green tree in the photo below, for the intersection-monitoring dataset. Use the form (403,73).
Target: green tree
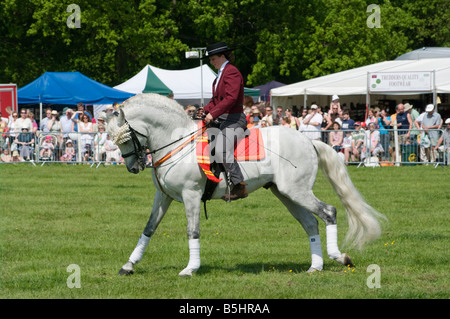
(286,40)
(430,26)
(115,39)
(345,39)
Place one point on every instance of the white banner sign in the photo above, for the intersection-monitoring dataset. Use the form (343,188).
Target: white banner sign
(400,81)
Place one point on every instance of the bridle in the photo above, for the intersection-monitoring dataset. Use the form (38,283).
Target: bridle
(139,150)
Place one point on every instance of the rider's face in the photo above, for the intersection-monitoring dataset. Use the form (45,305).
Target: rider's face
(217,61)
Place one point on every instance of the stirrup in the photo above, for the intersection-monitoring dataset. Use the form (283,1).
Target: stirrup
(228,186)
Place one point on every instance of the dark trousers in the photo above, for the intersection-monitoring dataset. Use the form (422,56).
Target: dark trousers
(231,129)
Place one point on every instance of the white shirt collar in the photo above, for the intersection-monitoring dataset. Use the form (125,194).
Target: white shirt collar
(223,67)
(220,72)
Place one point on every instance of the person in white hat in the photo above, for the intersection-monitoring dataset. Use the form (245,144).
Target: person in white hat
(54,127)
(429,121)
(69,152)
(334,114)
(312,123)
(432,121)
(66,122)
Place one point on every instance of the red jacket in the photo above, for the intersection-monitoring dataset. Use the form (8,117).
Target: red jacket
(229,96)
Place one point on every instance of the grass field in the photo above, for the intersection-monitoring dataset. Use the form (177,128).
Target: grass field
(55,216)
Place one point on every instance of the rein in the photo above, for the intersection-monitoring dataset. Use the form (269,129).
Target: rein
(140,151)
(193,135)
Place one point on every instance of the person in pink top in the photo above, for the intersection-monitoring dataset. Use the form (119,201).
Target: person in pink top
(372,145)
(336,137)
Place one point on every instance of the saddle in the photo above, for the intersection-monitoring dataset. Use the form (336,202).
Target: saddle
(251,148)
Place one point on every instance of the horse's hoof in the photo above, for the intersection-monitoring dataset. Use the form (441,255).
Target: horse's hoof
(126,269)
(124,272)
(186,272)
(312,269)
(345,260)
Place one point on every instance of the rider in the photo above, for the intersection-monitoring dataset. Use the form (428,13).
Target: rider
(226,108)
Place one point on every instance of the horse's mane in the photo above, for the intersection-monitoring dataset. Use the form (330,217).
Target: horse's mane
(163,110)
(166,116)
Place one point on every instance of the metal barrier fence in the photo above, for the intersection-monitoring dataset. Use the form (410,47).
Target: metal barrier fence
(387,147)
(358,147)
(68,147)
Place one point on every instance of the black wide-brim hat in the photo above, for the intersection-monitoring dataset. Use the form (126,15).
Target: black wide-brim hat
(216,48)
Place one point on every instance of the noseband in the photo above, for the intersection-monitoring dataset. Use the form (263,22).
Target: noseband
(127,133)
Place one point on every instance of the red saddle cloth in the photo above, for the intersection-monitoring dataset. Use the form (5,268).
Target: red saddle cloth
(250,148)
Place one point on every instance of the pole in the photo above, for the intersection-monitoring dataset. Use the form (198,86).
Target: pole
(305,98)
(367,96)
(434,91)
(396,145)
(201,77)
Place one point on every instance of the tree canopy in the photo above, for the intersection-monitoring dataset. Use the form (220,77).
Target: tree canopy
(287,40)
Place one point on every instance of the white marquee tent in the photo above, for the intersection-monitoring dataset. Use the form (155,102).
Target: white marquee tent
(352,85)
(185,84)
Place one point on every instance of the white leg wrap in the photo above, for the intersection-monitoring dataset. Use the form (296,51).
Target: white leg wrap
(194,258)
(332,245)
(316,252)
(194,254)
(138,252)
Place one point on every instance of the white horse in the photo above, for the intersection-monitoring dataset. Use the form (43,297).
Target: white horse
(151,121)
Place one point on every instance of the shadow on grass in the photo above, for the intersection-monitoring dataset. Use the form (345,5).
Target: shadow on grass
(255,268)
(247,268)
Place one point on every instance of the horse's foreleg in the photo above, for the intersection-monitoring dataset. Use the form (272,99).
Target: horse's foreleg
(160,205)
(192,200)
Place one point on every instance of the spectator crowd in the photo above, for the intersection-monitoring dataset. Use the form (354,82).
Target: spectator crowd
(76,136)
(376,136)
(73,136)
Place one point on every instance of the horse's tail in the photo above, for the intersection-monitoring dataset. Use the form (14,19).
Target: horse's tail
(363,220)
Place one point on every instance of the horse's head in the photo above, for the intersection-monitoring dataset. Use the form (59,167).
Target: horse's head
(131,143)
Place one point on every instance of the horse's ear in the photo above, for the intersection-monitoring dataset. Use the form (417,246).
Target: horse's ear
(120,118)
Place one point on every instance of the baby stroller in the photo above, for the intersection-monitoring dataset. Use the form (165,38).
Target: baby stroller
(47,148)
(88,154)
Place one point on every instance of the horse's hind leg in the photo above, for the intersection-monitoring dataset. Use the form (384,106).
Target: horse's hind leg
(310,224)
(160,205)
(328,214)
